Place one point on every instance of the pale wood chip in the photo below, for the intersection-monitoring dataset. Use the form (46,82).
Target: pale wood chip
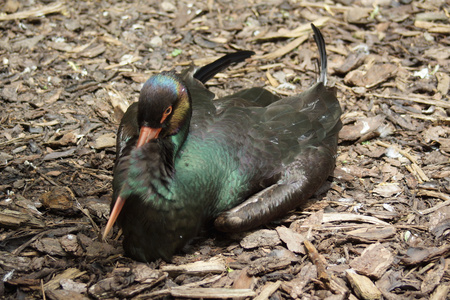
(214,265)
(441,292)
(267,290)
(345,217)
(70,273)
(284,49)
(35,12)
(210,293)
(433,27)
(302,30)
(373,233)
(363,287)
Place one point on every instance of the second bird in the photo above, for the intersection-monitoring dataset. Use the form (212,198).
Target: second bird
(184,160)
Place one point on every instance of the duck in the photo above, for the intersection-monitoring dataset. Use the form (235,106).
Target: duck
(186,161)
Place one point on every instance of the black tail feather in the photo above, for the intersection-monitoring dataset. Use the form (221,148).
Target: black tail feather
(322,53)
(207,72)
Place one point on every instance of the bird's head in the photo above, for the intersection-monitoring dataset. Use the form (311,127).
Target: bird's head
(163,107)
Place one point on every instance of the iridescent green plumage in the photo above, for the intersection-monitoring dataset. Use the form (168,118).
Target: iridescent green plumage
(243,160)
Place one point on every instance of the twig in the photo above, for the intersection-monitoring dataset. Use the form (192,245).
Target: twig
(302,31)
(19,139)
(272,80)
(435,119)
(86,213)
(314,256)
(35,12)
(414,98)
(268,290)
(42,289)
(280,92)
(27,163)
(439,195)
(284,50)
(93,172)
(324,5)
(346,217)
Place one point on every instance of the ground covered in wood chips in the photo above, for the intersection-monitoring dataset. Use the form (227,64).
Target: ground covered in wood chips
(378,230)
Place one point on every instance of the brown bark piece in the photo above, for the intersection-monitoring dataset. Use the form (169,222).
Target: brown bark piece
(374,261)
(260,238)
(375,75)
(293,240)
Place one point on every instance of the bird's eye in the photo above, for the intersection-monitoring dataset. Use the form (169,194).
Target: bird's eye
(168,111)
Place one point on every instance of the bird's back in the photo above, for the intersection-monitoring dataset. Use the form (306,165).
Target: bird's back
(240,144)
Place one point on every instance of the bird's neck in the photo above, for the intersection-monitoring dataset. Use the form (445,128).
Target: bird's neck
(151,168)
(176,141)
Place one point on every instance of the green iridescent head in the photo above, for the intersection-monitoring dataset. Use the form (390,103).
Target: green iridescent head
(164,103)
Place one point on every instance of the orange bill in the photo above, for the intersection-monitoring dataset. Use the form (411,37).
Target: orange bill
(113,216)
(147,134)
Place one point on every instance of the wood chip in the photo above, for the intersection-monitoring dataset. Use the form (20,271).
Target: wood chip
(268,264)
(302,30)
(295,287)
(416,255)
(387,190)
(267,290)
(15,219)
(417,171)
(145,274)
(373,233)
(439,195)
(35,12)
(433,277)
(281,51)
(214,265)
(352,61)
(293,240)
(374,76)
(210,293)
(260,238)
(343,217)
(361,127)
(433,27)
(363,287)
(65,294)
(10,261)
(272,80)
(107,140)
(60,199)
(318,261)
(443,83)
(70,273)
(374,261)
(59,154)
(243,281)
(50,246)
(357,15)
(441,292)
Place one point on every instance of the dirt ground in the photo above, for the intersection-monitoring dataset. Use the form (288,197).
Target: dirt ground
(378,230)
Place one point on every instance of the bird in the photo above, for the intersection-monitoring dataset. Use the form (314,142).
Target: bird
(186,161)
